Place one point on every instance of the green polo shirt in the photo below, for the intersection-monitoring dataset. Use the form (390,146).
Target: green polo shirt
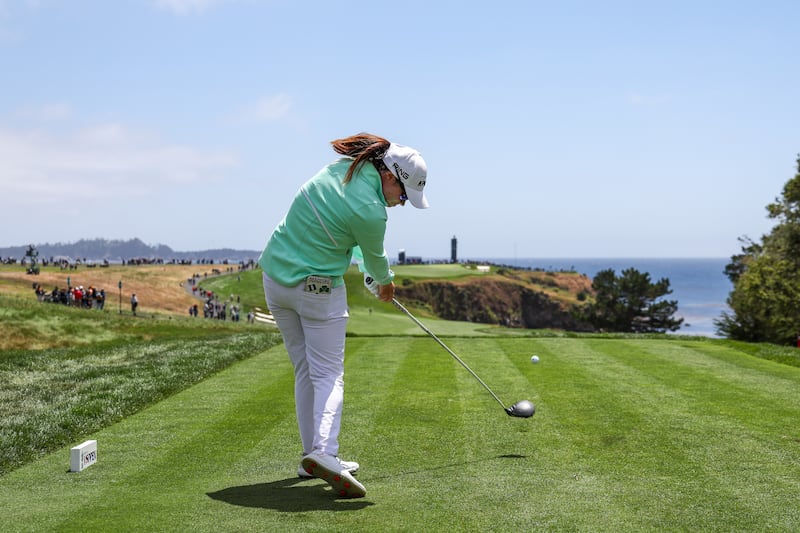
(325,221)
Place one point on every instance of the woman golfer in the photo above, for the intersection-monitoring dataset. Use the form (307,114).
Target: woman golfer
(343,206)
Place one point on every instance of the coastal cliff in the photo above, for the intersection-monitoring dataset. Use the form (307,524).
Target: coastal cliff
(507,297)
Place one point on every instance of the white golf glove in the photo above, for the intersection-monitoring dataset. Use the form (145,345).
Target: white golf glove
(371,284)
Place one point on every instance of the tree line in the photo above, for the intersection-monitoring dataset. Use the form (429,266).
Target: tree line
(765,300)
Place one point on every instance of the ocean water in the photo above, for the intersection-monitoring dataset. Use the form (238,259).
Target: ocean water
(699,285)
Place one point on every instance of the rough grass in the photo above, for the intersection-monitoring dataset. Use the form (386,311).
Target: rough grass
(28,324)
(50,398)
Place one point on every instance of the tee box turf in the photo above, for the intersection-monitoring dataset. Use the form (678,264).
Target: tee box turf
(83,456)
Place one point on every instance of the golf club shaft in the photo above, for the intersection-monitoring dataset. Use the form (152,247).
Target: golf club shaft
(443,345)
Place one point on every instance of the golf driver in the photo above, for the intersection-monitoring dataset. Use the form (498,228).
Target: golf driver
(521,409)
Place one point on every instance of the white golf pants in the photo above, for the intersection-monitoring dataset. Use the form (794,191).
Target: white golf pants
(313,330)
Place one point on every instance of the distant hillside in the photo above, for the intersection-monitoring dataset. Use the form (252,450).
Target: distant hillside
(118,250)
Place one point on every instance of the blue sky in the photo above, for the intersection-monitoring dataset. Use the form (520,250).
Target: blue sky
(550,129)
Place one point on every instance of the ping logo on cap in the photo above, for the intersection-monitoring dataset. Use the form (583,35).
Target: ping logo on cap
(402,174)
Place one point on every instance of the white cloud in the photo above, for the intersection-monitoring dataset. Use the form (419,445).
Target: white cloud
(104,161)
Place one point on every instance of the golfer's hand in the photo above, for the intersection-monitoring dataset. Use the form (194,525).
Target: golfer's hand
(387,292)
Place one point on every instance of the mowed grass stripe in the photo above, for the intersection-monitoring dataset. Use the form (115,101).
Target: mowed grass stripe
(442,445)
(538,468)
(749,411)
(500,469)
(494,456)
(761,396)
(623,440)
(681,438)
(729,373)
(592,429)
(585,433)
(371,364)
(409,397)
(162,461)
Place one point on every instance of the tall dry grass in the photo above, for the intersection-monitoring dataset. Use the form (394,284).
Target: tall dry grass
(159,288)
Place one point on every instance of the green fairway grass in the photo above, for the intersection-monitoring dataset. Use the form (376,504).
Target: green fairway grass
(631,433)
(432,271)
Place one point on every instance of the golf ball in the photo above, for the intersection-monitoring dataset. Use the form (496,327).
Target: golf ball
(535,359)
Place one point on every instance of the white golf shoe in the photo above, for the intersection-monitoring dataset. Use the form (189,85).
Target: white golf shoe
(337,473)
(350,466)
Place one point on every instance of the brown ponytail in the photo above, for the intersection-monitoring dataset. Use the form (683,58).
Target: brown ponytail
(362,147)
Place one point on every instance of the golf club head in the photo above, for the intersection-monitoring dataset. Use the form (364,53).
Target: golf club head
(521,409)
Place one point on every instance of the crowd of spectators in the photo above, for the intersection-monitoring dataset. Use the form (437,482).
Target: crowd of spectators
(213,308)
(216,310)
(94,298)
(89,298)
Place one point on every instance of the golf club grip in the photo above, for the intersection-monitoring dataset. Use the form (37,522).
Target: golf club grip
(443,345)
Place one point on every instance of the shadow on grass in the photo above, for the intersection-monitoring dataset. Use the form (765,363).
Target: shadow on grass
(296,495)
(292,495)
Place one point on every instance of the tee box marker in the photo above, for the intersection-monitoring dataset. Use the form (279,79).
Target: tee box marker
(83,456)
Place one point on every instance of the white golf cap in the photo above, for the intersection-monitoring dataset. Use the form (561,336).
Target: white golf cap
(409,167)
